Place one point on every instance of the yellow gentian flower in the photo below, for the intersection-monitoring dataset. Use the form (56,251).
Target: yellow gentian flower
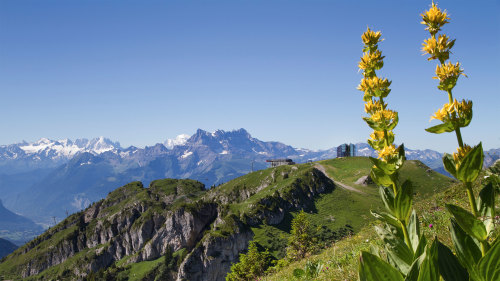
(386,114)
(448,70)
(374,106)
(387,153)
(371,37)
(460,154)
(371,61)
(438,48)
(434,18)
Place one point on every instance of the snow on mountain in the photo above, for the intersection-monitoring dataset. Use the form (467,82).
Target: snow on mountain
(179,140)
(56,149)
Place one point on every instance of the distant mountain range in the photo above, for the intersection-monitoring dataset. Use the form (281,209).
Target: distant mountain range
(50,178)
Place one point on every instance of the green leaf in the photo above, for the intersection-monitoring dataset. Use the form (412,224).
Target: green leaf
(471,165)
(387,197)
(486,206)
(380,178)
(468,222)
(429,269)
(420,249)
(396,249)
(449,164)
(467,250)
(403,201)
(401,156)
(373,268)
(387,218)
(415,268)
(489,265)
(449,266)
(414,231)
(374,125)
(387,168)
(441,128)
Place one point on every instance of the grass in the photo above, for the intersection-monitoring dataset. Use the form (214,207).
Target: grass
(340,260)
(139,270)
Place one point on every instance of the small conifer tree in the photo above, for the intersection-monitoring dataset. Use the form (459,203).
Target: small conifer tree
(302,238)
(251,265)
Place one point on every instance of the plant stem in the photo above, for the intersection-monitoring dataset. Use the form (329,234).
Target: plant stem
(483,248)
(457,129)
(386,137)
(472,199)
(405,233)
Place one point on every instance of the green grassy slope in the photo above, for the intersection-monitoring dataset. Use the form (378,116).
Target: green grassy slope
(340,260)
(336,209)
(250,199)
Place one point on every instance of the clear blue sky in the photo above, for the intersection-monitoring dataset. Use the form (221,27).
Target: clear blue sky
(142,71)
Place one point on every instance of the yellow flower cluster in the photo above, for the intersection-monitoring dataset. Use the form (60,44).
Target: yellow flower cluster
(453,114)
(438,49)
(434,19)
(374,86)
(388,153)
(371,38)
(448,71)
(373,106)
(380,135)
(458,112)
(381,119)
(371,61)
(386,115)
(460,154)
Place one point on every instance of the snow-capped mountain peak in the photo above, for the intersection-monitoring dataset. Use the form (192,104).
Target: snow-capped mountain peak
(58,149)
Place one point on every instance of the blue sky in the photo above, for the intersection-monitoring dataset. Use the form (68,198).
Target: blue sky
(142,71)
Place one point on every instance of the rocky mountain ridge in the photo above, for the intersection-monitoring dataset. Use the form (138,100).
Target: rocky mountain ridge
(134,224)
(69,184)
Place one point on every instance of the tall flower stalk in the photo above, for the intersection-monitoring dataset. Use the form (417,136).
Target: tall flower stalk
(404,245)
(407,256)
(466,163)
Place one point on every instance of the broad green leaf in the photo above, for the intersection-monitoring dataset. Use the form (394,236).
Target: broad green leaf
(414,231)
(489,265)
(380,178)
(422,243)
(470,224)
(387,197)
(373,268)
(449,164)
(375,250)
(441,128)
(471,165)
(387,168)
(387,218)
(468,252)
(374,125)
(429,269)
(486,206)
(403,201)
(415,268)
(401,156)
(449,266)
(396,249)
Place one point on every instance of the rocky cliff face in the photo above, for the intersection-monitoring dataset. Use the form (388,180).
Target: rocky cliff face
(134,224)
